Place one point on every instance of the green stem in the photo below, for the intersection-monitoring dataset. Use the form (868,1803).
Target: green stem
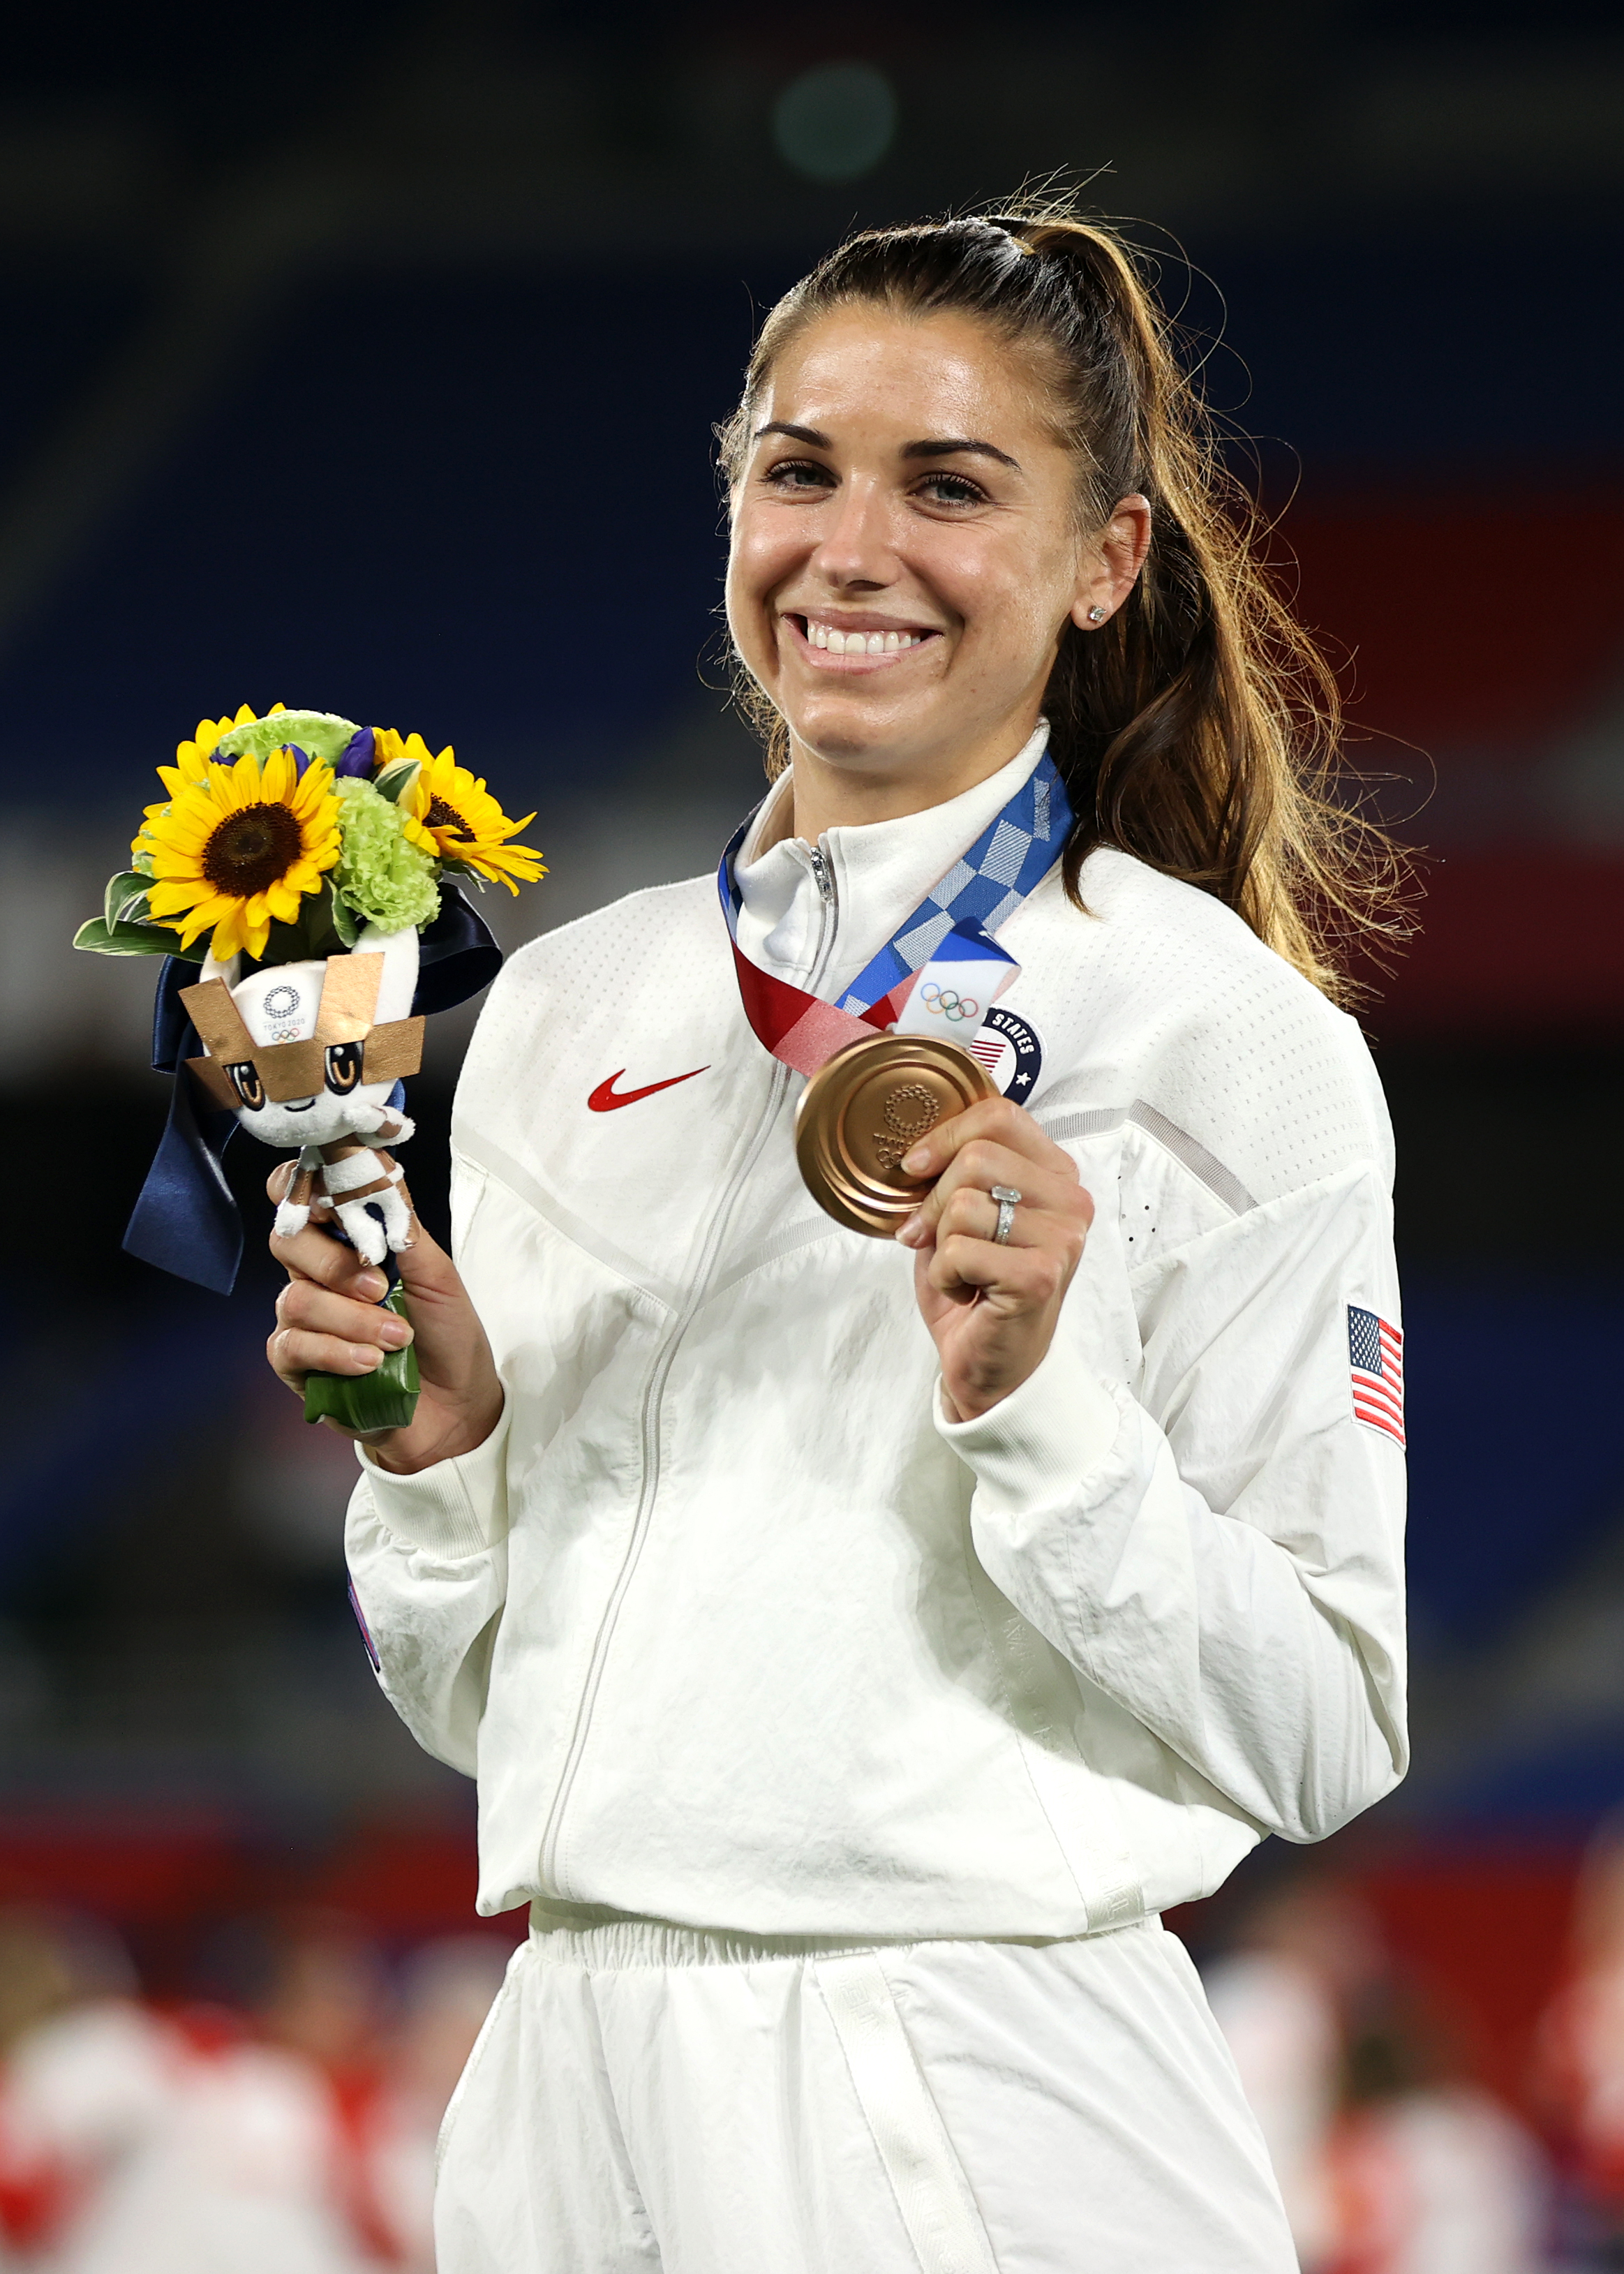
(385,1399)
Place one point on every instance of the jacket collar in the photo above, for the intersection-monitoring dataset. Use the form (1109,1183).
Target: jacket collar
(880,871)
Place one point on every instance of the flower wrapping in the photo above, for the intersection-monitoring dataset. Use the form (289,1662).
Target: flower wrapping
(302,880)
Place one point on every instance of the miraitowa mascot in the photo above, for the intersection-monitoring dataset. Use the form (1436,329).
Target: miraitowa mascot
(302,880)
(309,1055)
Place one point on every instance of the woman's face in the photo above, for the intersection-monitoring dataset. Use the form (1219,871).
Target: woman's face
(906,548)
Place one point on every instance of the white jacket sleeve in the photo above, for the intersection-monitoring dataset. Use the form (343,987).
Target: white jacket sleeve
(428,1555)
(1222,1553)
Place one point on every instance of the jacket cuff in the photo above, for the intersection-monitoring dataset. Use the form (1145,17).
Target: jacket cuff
(1033,1448)
(455,1508)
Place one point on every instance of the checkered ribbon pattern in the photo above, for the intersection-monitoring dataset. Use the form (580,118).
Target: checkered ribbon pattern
(947,941)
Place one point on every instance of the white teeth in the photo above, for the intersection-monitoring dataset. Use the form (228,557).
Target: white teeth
(839,642)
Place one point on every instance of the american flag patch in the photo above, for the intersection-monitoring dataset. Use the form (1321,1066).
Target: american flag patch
(1376,1363)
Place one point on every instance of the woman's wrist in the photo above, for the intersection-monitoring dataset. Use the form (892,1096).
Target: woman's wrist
(433,1437)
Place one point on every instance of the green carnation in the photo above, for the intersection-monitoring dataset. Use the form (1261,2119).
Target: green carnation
(381,877)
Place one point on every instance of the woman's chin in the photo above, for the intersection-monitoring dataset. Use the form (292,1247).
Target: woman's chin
(847,732)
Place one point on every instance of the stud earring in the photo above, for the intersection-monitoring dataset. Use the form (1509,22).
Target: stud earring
(1096,614)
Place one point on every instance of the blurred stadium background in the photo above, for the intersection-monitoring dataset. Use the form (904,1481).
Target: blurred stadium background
(366,356)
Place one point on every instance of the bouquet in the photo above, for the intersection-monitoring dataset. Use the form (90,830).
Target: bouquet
(302,881)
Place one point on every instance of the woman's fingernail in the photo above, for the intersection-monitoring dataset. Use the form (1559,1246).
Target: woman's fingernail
(366,1356)
(909,1233)
(371,1286)
(918,1161)
(395,1332)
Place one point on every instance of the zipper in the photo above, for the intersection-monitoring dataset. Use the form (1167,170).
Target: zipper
(653,1394)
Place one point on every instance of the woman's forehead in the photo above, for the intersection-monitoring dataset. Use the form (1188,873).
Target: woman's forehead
(939,374)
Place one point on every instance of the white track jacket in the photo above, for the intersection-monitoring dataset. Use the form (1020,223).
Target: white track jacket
(734,1629)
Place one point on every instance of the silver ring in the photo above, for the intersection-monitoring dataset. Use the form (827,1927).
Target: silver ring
(1009,1201)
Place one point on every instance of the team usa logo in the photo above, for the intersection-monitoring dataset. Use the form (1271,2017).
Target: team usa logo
(1011,1053)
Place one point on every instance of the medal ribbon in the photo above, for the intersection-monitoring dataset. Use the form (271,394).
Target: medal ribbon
(942,970)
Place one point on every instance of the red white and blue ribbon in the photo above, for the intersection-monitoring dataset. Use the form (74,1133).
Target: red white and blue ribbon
(942,970)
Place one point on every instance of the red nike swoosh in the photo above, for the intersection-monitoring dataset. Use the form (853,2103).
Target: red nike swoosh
(605,1098)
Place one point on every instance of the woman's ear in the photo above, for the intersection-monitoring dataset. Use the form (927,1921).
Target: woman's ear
(1112,562)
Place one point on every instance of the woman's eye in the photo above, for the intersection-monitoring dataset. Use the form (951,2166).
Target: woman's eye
(798,474)
(952,489)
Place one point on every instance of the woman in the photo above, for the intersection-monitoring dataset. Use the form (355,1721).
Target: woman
(858,1650)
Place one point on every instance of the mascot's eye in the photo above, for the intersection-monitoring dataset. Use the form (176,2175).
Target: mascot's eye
(343,1066)
(246,1081)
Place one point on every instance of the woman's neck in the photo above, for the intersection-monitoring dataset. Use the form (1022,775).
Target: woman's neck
(827,795)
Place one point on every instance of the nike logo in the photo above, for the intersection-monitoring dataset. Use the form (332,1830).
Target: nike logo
(606,1097)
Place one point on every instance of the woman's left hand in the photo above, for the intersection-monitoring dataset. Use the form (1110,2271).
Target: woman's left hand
(992,1308)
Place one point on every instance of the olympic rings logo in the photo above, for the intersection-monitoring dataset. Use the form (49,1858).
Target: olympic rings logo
(947,1005)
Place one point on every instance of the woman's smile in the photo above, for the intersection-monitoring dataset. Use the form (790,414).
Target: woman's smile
(829,641)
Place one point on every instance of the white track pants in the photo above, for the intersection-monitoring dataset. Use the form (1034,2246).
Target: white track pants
(647,2098)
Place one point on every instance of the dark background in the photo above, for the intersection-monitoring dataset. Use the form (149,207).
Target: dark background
(367,357)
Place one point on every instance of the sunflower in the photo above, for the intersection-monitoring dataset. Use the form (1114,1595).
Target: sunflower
(236,848)
(192,759)
(190,765)
(454,818)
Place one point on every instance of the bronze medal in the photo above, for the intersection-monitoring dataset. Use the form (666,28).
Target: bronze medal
(868,1106)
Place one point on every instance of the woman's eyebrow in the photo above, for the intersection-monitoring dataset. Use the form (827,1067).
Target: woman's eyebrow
(950,448)
(809,434)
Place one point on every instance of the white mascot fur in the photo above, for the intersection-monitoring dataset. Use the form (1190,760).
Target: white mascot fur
(308,1055)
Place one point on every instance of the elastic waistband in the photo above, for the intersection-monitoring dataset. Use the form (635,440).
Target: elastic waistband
(614,1940)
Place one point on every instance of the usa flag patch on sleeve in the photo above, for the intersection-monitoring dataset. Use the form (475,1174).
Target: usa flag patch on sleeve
(1376,1363)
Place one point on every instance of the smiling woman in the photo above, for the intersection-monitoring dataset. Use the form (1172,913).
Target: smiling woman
(866,1619)
(1198,729)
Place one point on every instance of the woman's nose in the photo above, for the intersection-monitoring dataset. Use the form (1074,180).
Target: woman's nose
(856,548)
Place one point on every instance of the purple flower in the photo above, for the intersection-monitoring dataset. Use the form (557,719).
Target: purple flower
(356,756)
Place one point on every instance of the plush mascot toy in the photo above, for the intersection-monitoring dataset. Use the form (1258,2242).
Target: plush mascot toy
(308,866)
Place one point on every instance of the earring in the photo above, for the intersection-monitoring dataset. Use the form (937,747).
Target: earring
(1096,614)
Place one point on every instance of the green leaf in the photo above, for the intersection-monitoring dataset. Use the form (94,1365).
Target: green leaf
(101,938)
(345,923)
(394,780)
(124,901)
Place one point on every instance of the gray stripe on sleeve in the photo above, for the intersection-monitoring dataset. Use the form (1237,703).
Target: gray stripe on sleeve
(1097,1121)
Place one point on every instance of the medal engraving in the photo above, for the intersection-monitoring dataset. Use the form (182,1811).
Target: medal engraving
(909,1111)
(865,1109)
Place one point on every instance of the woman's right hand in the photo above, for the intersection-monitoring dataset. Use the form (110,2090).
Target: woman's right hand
(328,1321)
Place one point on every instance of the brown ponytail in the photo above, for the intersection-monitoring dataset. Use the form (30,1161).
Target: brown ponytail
(1200,729)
